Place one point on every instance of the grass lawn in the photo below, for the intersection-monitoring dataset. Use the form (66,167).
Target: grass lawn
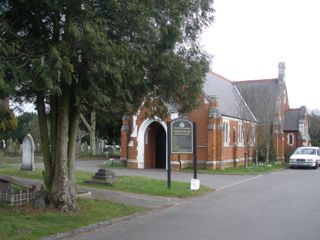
(15,171)
(24,222)
(251,169)
(154,187)
(15,159)
(124,183)
(4,158)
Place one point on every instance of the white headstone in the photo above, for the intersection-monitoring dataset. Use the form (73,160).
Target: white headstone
(28,153)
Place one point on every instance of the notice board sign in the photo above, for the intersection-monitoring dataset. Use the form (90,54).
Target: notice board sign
(181,136)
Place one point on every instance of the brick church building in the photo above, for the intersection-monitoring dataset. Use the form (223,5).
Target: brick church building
(226,120)
(268,100)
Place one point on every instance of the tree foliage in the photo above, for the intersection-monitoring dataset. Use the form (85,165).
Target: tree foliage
(72,55)
(26,123)
(314,126)
(8,120)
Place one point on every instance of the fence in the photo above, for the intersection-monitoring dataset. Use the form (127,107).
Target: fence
(18,197)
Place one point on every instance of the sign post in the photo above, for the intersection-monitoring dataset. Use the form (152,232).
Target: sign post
(169,156)
(181,136)
(181,140)
(194,151)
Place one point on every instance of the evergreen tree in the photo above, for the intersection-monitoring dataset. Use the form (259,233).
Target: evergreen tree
(26,123)
(8,120)
(70,55)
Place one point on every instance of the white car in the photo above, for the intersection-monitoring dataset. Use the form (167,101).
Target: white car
(305,157)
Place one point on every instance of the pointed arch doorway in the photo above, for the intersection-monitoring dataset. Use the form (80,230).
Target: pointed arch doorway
(155,146)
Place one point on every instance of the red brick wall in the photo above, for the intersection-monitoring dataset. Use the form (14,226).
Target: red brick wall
(210,144)
(280,140)
(290,148)
(200,117)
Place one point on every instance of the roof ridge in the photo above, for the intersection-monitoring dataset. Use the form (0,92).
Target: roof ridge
(293,110)
(218,75)
(257,80)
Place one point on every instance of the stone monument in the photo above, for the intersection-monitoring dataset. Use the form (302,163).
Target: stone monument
(103,176)
(28,153)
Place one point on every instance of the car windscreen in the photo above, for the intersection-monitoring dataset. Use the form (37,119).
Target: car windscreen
(308,151)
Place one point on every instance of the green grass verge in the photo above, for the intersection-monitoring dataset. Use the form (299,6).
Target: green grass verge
(251,169)
(24,222)
(8,170)
(133,184)
(15,159)
(154,187)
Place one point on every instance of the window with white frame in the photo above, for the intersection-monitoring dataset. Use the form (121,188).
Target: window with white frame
(240,133)
(226,133)
(290,139)
(252,135)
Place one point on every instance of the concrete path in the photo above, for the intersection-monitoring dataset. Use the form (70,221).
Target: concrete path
(217,182)
(281,205)
(150,202)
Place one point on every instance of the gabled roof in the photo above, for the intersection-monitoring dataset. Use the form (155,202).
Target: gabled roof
(230,101)
(262,96)
(291,120)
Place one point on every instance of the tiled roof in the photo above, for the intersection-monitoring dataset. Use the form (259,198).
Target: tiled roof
(262,96)
(230,102)
(291,120)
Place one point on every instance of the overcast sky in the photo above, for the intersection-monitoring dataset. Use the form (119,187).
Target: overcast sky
(250,37)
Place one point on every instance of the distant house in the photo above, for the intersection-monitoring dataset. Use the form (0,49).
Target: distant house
(223,120)
(284,128)
(296,129)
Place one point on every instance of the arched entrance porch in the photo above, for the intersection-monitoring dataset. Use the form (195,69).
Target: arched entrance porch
(152,147)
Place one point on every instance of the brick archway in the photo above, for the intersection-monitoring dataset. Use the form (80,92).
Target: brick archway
(152,147)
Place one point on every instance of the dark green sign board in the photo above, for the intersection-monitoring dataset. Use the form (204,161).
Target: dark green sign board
(181,136)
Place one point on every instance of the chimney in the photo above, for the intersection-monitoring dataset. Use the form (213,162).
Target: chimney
(281,70)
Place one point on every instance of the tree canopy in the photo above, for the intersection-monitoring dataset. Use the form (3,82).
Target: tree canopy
(26,123)
(71,55)
(8,120)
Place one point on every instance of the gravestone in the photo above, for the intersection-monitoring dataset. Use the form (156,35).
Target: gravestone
(16,191)
(103,176)
(28,153)
(2,144)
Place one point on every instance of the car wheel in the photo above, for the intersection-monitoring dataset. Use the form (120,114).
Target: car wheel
(316,166)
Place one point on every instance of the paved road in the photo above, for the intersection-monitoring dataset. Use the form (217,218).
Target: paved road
(282,205)
(217,182)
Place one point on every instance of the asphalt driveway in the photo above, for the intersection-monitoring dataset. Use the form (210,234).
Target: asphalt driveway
(283,205)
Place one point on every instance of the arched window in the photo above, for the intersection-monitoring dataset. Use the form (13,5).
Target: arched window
(290,139)
(240,133)
(226,133)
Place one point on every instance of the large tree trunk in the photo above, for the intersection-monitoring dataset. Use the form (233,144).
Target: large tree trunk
(59,150)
